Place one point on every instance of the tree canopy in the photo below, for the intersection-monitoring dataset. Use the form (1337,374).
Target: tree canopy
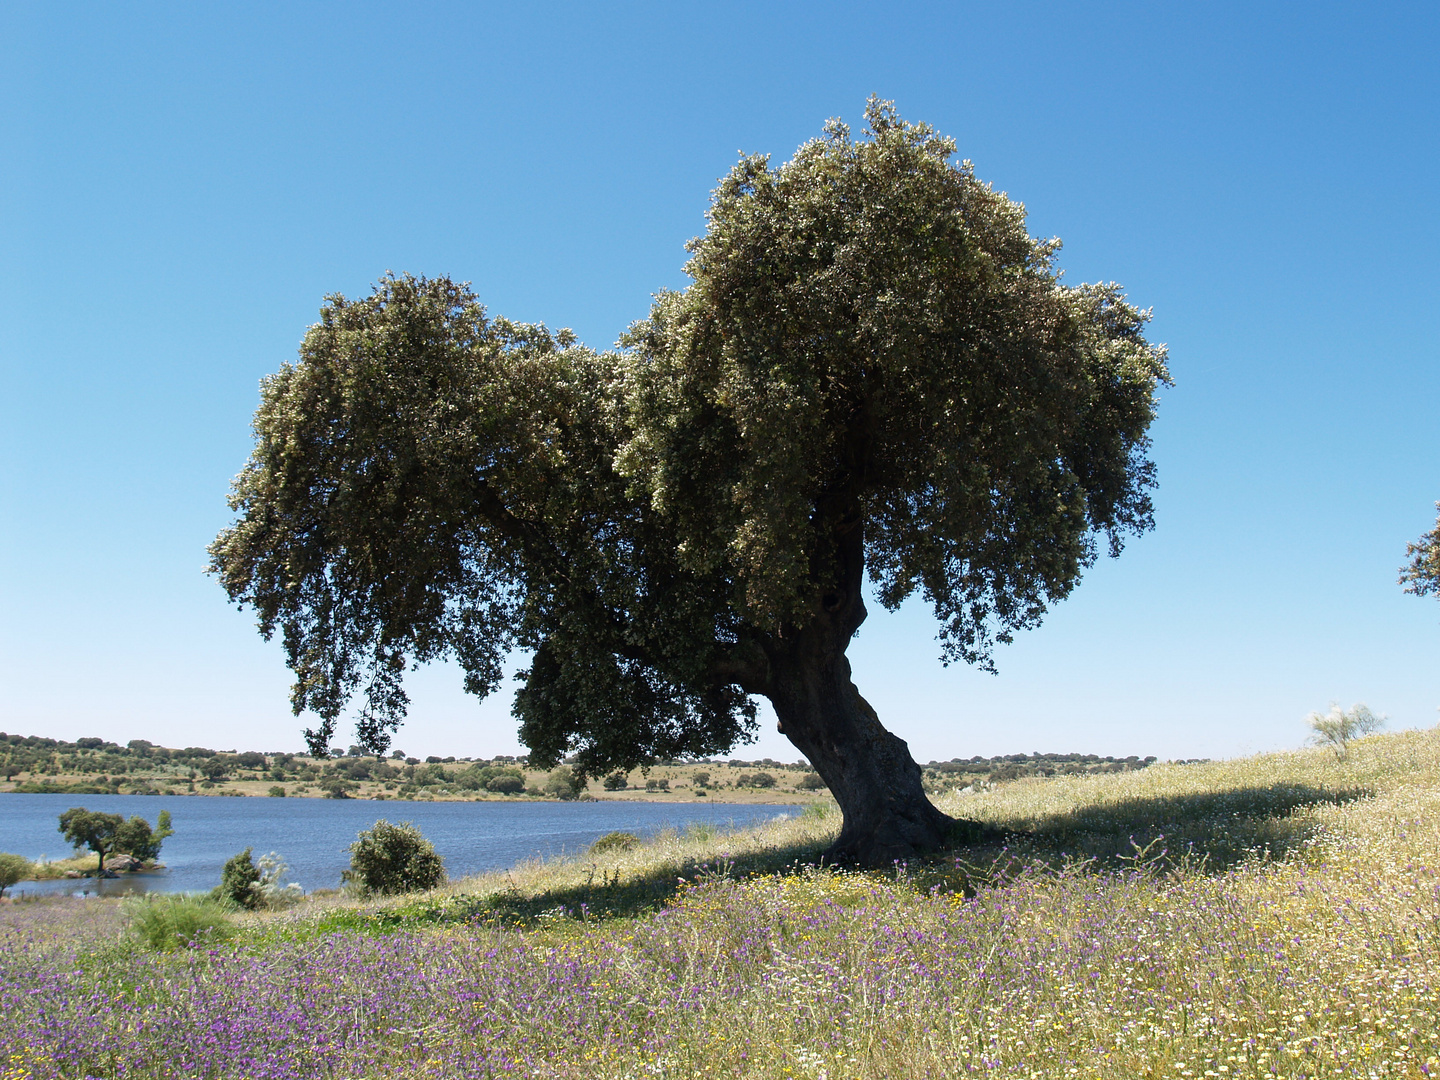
(105,834)
(93,829)
(136,837)
(875,373)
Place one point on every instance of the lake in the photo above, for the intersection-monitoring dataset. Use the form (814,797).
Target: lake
(313,835)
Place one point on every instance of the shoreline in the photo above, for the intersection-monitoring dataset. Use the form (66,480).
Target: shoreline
(752,797)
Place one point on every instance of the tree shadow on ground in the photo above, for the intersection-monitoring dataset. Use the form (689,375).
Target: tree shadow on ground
(605,891)
(1206,832)
(1202,832)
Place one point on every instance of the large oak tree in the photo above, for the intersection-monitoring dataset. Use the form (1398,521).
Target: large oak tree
(876,372)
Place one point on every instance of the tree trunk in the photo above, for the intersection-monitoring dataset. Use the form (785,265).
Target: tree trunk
(887,817)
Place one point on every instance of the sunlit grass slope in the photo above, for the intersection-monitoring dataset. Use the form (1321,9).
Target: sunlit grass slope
(1275,916)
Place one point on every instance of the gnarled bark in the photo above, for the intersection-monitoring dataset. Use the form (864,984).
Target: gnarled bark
(887,816)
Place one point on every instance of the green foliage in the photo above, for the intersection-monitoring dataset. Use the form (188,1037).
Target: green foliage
(852,275)
(614,841)
(810,782)
(475,778)
(875,371)
(14,868)
(564,783)
(216,768)
(507,783)
(388,859)
(136,837)
(616,781)
(276,792)
(91,829)
(1421,575)
(239,882)
(106,762)
(168,921)
(755,780)
(1338,727)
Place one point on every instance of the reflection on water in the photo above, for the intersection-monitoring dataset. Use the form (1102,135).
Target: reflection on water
(313,836)
(136,884)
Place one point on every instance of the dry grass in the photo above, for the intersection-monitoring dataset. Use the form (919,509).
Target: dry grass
(1274,916)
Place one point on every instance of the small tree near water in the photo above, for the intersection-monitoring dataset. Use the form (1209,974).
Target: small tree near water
(249,886)
(92,829)
(394,859)
(563,783)
(13,868)
(137,838)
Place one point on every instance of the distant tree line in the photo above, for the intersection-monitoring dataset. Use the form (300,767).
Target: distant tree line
(107,767)
(960,772)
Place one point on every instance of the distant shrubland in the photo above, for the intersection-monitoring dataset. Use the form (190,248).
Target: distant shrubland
(96,766)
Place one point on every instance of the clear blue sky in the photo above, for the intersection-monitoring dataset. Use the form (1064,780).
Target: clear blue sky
(180,186)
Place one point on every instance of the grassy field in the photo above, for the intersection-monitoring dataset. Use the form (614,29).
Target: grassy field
(1274,916)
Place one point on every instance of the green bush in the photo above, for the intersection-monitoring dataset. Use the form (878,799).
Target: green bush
(564,784)
(810,782)
(616,781)
(393,859)
(168,921)
(14,868)
(509,782)
(239,882)
(276,792)
(478,777)
(614,841)
(136,837)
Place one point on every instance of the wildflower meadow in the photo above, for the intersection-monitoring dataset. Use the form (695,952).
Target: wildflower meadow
(1273,916)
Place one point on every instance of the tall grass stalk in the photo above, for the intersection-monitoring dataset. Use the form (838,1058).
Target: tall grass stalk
(168,921)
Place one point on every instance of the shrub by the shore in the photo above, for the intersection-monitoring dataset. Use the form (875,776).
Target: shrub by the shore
(389,859)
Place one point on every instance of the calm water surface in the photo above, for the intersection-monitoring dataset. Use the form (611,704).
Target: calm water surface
(313,835)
